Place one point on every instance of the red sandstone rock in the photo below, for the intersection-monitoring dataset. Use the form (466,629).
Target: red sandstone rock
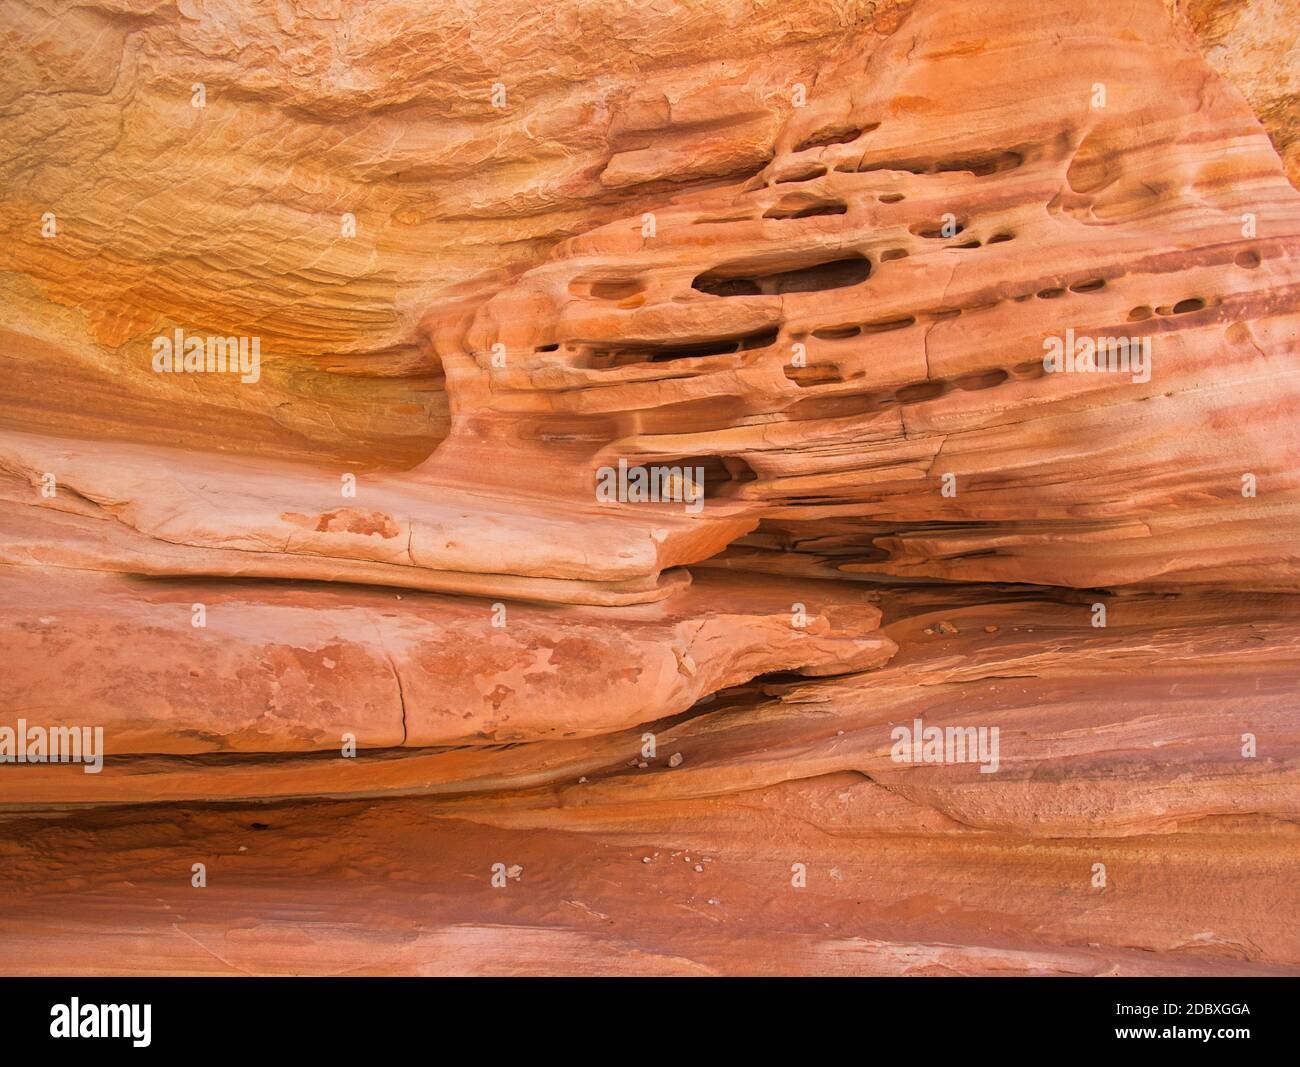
(816,253)
(274,669)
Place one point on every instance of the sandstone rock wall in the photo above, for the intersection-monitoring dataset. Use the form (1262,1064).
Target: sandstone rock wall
(359,625)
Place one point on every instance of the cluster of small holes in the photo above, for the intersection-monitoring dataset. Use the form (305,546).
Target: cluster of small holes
(1182,307)
(912,393)
(849,330)
(824,373)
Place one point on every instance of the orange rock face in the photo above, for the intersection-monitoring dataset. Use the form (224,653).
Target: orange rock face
(738,489)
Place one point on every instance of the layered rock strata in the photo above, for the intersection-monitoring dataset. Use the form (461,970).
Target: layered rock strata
(378,632)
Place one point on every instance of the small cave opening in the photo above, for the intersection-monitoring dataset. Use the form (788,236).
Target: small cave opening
(801,208)
(836,333)
(612,289)
(688,481)
(982,379)
(609,358)
(936,233)
(849,330)
(980,165)
(1182,307)
(739,280)
(919,392)
(888,325)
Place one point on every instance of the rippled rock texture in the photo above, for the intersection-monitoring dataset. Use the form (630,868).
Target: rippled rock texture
(712,488)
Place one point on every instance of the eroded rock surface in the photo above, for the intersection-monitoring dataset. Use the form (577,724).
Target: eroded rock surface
(362,626)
